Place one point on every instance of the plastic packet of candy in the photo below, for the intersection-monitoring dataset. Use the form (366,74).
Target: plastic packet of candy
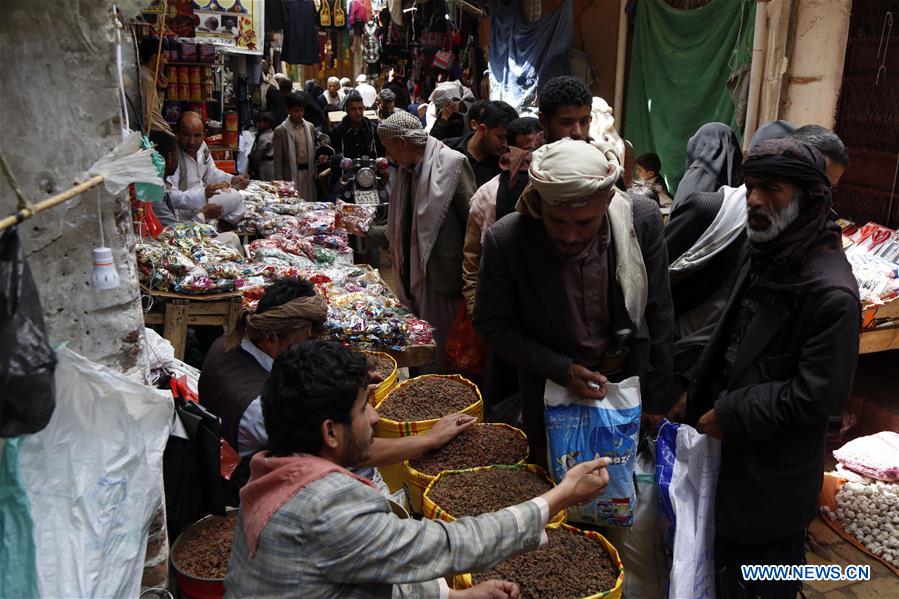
(187,231)
(354,216)
(225,270)
(419,332)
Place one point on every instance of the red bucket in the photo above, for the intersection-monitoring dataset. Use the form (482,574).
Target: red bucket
(190,586)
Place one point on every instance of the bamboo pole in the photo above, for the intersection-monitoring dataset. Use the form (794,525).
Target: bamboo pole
(27,213)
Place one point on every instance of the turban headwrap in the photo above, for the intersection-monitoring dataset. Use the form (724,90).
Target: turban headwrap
(402,125)
(298,312)
(808,254)
(568,173)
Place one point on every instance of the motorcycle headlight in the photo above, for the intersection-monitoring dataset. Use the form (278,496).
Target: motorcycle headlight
(365,177)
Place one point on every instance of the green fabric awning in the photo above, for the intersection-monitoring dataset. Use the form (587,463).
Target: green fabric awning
(681,61)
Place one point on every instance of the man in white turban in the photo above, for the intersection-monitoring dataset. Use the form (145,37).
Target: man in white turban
(332,96)
(428,213)
(573,286)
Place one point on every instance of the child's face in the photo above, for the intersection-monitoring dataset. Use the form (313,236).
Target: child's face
(644,174)
(261,125)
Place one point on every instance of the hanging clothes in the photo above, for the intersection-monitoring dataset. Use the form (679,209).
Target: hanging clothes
(523,55)
(275,16)
(300,38)
(371,47)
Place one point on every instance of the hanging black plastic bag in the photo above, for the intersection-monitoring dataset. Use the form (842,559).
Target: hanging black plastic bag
(26,359)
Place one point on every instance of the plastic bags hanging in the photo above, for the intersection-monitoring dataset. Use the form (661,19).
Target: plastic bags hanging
(26,358)
(687,465)
(94,480)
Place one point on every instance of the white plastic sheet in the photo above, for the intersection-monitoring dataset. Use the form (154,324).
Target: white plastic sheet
(125,164)
(688,483)
(94,480)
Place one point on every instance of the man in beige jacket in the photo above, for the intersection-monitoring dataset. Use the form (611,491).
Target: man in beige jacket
(294,145)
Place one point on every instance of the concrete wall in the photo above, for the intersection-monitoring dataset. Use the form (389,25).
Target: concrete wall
(59,112)
(816,58)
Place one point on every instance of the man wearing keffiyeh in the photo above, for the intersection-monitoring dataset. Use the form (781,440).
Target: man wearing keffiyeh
(780,362)
(577,263)
(425,231)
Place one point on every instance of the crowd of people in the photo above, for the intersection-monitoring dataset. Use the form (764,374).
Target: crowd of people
(731,300)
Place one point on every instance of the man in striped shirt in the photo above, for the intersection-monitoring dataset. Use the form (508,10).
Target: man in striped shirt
(310,528)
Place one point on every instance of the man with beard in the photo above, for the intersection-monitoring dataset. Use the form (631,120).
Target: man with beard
(779,364)
(429,202)
(308,527)
(565,274)
(354,136)
(238,363)
(333,96)
(197,183)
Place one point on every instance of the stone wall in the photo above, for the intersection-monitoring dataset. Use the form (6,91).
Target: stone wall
(59,113)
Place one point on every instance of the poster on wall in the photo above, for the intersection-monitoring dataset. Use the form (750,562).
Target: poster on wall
(234,25)
(179,17)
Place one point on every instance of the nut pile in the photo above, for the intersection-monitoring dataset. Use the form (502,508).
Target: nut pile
(206,554)
(483,491)
(380,365)
(570,565)
(426,399)
(870,513)
(481,445)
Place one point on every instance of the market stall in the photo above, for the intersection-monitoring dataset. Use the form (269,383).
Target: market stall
(873,252)
(198,278)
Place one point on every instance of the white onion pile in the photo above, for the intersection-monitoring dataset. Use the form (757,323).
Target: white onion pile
(870,513)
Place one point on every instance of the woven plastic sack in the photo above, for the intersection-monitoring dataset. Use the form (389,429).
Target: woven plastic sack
(465,581)
(387,385)
(434,512)
(94,480)
(26,358)
(416,481)
(391,429)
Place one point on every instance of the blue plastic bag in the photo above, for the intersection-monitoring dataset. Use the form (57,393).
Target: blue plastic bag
(579,430)
(666,456)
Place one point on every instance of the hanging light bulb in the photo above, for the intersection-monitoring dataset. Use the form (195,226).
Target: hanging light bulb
(104,274)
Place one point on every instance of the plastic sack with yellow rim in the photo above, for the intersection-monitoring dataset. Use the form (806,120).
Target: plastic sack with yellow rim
(434,512)
(465,581)
(387,385)
(416,481)
(392,429)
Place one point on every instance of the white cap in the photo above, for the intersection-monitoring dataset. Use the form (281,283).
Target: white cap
(361,78)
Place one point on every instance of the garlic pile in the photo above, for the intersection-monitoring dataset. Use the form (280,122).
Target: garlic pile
(870,513)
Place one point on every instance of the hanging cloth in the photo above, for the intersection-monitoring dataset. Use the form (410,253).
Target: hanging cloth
(678,77)
(371,47)
(516,46)
(300,38)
